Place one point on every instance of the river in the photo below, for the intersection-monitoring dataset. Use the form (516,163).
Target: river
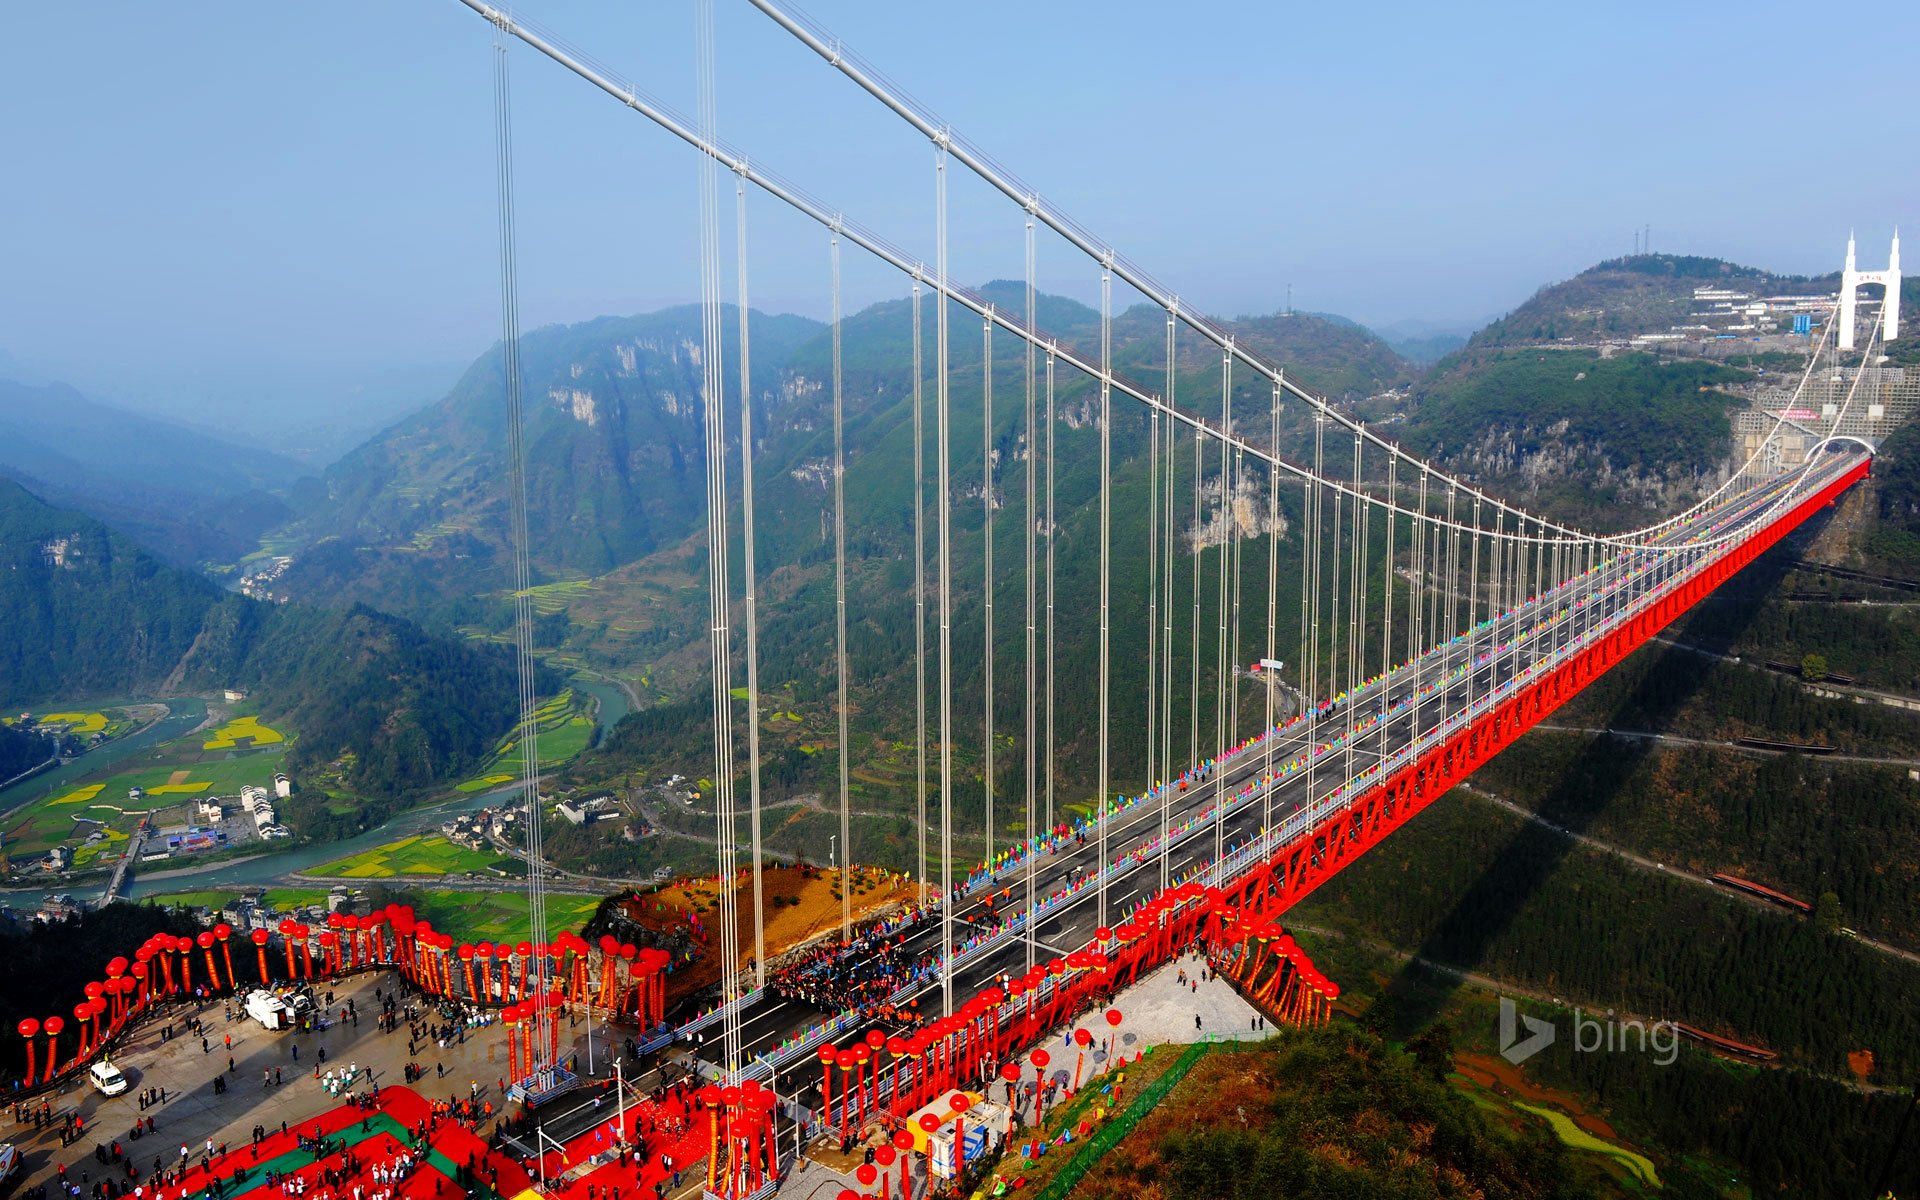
(612,701)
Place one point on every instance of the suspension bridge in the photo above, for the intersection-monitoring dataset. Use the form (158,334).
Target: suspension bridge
(1425,624)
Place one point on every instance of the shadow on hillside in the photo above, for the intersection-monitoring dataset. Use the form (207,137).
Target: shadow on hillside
(1478,918)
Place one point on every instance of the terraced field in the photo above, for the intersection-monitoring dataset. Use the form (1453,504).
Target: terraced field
(427,854)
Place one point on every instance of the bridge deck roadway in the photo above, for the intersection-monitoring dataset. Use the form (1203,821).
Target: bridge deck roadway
(1419,704)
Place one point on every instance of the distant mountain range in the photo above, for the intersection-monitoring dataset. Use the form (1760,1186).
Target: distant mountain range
(191,497)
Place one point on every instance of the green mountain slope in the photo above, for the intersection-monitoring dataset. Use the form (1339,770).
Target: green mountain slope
(1606,442)
(1644,293)
(387,707)
(418,516)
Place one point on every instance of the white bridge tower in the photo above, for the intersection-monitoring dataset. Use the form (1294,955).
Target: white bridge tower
(1850,280)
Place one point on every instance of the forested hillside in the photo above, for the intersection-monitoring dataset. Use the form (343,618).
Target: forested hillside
(87,611)
(1334,1112)
(1602,442)
(21,751)
(415,520)
(389,706)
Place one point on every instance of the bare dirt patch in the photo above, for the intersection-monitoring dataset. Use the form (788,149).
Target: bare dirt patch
(801,909)
(1498,1075)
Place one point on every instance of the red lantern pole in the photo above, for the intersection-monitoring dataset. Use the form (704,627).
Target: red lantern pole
(52,1026)
(710,1096)
(826,1082)
(903,1142)
(29,1029)
(1040,1060)
(221,933)
(960,1103)
(213,970)
(844,1060)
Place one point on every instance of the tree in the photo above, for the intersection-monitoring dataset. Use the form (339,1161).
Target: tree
(1814,666)
(1432,1048)
(1826,913)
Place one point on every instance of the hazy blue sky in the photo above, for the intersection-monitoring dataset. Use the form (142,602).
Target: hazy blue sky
(234,195)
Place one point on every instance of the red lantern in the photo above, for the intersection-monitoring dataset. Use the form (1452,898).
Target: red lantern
(1041,1058)
(866,1173)
(1113,1017)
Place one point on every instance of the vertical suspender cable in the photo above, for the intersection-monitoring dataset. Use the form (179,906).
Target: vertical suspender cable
(986,576)
(1356,617)
(944,484)
(713,389)
(1473,605)
(1106,575)
(1270,674)
(1051,528)
(1416,605)
(1195,540)
(1222,679)
(1386,608)
(1153,596)
(752,612)
(1032,522)
(1452,577)
(1336,623)
(1303,663)
(919,595)
(840,600)
(1315,556)
(517,503)
(1233,637)
(1163,523)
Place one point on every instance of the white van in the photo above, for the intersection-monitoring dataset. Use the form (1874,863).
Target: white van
(270,1010)
(106,1078)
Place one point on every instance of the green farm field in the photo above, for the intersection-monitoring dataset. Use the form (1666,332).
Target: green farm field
(497,916)
(423,855)
(564,729)
(216,898)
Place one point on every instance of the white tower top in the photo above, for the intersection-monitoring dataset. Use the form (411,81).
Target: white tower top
(1851,277)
